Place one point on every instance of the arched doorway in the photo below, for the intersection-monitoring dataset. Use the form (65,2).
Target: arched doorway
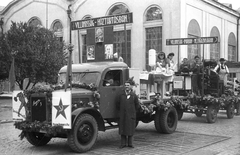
(232,43)
(215,48)
(194,32)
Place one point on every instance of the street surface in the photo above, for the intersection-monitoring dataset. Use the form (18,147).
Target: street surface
(193,137)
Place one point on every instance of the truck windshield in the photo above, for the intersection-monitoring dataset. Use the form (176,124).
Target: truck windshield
(80,78)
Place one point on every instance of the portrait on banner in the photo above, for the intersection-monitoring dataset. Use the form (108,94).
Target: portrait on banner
(99,34)
(108,51)
(91,52)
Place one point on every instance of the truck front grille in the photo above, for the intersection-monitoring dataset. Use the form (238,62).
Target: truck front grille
(39,108)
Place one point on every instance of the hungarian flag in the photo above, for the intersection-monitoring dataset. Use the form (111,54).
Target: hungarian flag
(12,77)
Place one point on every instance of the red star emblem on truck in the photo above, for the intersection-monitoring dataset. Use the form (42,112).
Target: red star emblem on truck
(60,109)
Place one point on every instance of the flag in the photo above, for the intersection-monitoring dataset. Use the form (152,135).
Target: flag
(12,77)
(69,71)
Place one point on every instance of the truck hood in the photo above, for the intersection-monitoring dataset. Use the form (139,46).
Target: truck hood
(78,91)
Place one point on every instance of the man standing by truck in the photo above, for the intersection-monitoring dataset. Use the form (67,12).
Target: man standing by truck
(127,104)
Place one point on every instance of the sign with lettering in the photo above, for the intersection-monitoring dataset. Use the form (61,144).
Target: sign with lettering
(189,41)
(102,21)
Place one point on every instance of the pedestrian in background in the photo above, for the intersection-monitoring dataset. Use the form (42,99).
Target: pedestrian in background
(222,70)
(127,104)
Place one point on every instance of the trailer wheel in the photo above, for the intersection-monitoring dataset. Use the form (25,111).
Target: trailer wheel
(230,111)
(84,133)
(37,139)
(211,114)
(166,121)
(198,113)
(180,114)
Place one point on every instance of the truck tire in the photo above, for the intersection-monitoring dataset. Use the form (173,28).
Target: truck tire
(166,121)
(198,113)
(211,114)
(37,139)
(84,133)
(230,111)
(180,114)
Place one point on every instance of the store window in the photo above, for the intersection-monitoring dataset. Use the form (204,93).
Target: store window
(119,36)
(58,30)
(84,42)
(215,48)
(84,48)
(232,54)
(153,32)
(119,45)
(35,22)
(194,32)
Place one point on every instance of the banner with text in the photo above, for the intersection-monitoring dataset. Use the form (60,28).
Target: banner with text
(102,21)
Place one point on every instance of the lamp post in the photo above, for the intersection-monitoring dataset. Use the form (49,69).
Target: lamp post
(70,49)
(69,12)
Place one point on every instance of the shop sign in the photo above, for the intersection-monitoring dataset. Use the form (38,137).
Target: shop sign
(189,41)
(102,21)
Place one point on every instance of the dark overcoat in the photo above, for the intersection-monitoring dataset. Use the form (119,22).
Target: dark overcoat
(127,112)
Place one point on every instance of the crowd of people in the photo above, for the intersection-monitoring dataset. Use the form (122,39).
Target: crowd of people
(166,64)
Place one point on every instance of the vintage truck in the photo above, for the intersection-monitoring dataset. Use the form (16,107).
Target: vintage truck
(89,107)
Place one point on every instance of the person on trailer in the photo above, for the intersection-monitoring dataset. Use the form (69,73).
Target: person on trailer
(185,66)
(197,69)
(222,70)
(162,63)
(127,103)
(172,65)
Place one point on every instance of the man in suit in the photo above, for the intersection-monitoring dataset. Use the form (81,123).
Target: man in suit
(127,104)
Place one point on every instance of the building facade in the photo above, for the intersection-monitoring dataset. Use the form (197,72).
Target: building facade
(154,21)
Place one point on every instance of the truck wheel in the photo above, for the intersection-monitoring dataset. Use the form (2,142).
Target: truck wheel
(198,113)
(211,114)
(166,121)
(84,133)
(230,111)
(37,139)
(180,114)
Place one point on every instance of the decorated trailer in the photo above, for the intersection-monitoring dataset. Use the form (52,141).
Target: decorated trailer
(88,106)
(214,95)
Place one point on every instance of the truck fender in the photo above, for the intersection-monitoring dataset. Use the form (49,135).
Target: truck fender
(91,111)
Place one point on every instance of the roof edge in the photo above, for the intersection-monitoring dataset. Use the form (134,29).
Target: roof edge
(222,7)
(13,2)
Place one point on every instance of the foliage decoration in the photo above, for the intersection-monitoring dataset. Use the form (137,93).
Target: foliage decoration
(37,126)
(91,86)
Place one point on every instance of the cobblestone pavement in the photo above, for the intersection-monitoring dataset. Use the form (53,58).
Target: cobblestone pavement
(193,137)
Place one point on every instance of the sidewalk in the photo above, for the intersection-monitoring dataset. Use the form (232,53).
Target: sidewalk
(5,95)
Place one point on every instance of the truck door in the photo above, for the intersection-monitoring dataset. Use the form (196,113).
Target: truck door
(110,85)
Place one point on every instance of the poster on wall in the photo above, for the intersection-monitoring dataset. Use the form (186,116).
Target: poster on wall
(99,34)
(19,106)
(91,52)
(108,51)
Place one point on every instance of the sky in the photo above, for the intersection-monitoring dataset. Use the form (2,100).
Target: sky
(235,3)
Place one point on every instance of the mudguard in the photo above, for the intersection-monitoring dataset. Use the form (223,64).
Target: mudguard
(92,111)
